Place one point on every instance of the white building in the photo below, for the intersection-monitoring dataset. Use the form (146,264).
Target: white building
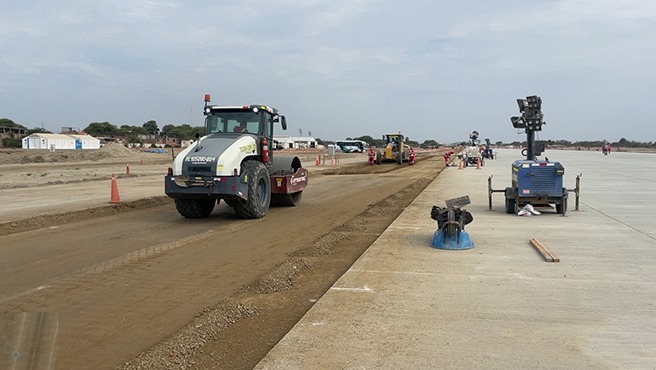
(294,142)
(60,141)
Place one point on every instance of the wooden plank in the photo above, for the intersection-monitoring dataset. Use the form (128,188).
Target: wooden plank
(539,248)
(548,255)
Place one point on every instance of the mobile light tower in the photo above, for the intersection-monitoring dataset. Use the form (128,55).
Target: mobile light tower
(535,182)
(531,121)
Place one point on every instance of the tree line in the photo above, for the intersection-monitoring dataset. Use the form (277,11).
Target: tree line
(187,132)
(106,129)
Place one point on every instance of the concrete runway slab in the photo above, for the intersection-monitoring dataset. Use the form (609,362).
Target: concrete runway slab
(499,305)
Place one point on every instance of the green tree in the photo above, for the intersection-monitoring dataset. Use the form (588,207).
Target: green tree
(134,139)
(168,130)
(151,127)
(185,131)
(101,129)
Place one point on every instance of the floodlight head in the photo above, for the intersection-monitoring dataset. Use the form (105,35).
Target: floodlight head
(534,101)
(522,104)
(518,122)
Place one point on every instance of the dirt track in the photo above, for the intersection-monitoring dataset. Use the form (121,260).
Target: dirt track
(211,293)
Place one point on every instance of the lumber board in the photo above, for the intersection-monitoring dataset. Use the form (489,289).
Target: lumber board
(548,255)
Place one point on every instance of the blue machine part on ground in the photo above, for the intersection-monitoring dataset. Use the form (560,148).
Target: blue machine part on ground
(460,241)
(451,223)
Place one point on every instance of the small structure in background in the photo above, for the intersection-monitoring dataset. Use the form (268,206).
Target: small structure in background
(294,142)
(60,141)
(11,133)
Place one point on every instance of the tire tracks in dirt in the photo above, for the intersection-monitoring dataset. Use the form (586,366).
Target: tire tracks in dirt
(271,305)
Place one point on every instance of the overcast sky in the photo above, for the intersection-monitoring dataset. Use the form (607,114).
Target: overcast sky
(339,68)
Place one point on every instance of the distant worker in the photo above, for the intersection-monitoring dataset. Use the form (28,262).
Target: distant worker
(372,156)
(447,158)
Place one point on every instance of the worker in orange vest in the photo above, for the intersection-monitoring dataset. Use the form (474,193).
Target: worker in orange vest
(372,156)
(447,158)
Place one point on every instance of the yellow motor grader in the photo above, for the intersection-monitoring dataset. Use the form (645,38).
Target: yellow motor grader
(395,149)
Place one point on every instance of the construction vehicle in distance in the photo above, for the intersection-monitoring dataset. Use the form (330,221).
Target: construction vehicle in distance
(535,182)
(352,146)
(234,162)
(395,149)
(488,152)
(471,156)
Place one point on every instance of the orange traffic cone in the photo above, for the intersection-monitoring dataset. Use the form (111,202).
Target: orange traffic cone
(127,169)
(115,198)
(316,162)
(478,163)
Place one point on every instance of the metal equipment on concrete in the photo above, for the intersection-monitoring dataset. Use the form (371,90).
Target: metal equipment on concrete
(535,182)
(451,221)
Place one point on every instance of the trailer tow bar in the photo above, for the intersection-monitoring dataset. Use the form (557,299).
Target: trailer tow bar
(490,191)
(576,190)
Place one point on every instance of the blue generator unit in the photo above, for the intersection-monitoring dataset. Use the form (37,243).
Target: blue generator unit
(538,183)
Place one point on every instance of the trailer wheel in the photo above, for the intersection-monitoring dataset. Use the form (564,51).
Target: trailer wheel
(510,205)
(256,204)
(511,201)
(195,208)
(561,207)
(286,200)
(378,159)
(399,158)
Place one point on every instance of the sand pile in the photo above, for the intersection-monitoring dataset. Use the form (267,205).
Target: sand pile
(108,151)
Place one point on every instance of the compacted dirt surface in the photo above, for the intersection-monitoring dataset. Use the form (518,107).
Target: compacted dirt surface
(136,286)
